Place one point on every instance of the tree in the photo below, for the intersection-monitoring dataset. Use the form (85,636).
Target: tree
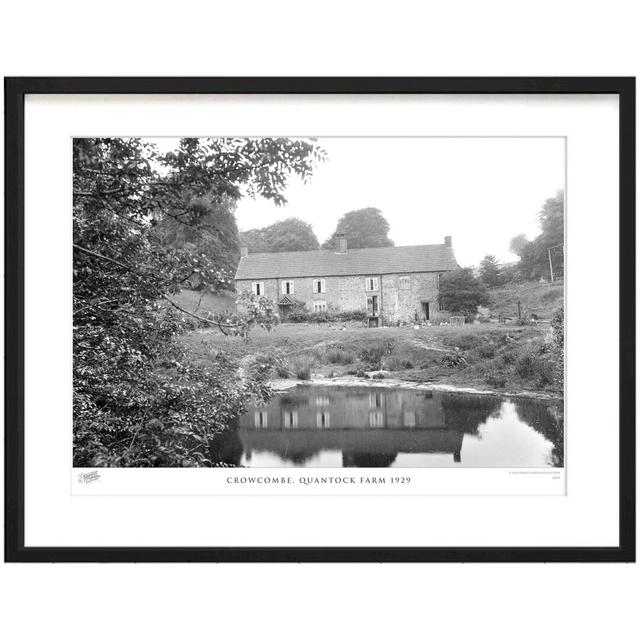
(534,255)
(362,228)
(291,234)
(138,401)
(206,227)
(462,293)
(518,244)
(510,272)
(490,271)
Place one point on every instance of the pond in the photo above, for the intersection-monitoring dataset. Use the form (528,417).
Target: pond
(325,426)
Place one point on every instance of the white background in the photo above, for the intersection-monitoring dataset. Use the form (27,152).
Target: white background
(401,38)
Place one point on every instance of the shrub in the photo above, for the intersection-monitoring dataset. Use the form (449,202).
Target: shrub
(485,350)
(533,365)
(374,353)
(351,315)
(526,365)
(506,338)
(557,324)
(396,363)
(302,366)
(509,356)
(298,314)
(266,363)
(339,355)
(495,379)
(546,372)
(452,360)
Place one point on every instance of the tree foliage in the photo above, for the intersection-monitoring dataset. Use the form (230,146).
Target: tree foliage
(206,226)
(137,399)
(491,271)
(557,325)
(362,228)
(518,244)
(534,255)
(462,293)
(291,234)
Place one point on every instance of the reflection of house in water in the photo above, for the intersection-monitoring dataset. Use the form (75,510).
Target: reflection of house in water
(369,426)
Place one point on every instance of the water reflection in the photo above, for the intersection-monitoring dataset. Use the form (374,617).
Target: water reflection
(378,427)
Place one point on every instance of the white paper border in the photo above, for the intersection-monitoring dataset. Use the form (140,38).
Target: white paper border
(588,515)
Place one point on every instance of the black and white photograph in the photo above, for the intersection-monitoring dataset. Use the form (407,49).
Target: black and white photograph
(324,302)
(324,320)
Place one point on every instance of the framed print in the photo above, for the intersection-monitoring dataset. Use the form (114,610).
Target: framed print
(320,319)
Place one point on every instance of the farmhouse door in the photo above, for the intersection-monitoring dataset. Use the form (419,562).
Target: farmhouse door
(425,310)
(372,305)
(284,312)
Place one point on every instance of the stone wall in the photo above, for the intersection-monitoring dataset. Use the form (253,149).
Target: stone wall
(344,293)
(403,295)
(400,296)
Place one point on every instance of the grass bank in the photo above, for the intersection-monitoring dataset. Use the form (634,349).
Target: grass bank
(537,299)
(202,302)
(506,358)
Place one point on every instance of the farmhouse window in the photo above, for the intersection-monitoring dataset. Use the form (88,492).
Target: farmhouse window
(260,419)
(320,305)
(404,282)
(290,419)
(257,288)
(376,419)
(442,306)
(375,400)
(287,287)
(319,286)
(372,284)
(323,419)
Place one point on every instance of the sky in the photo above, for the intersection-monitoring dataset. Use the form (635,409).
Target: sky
(481,191)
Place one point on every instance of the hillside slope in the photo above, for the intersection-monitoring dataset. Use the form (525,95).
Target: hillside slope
(539,298)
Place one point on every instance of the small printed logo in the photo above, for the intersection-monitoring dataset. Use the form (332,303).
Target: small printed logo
(88,477)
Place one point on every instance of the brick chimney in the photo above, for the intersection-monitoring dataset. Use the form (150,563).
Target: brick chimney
(341,243)
(448,241)
(244,252)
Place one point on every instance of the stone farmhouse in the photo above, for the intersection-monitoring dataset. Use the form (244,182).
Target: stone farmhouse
(391,284)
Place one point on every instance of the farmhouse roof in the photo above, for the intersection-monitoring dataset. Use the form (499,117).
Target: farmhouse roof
(372,261)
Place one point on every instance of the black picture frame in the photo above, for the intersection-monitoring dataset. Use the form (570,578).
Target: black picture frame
(15,91)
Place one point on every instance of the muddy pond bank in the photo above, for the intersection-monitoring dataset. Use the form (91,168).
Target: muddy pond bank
(505,359)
